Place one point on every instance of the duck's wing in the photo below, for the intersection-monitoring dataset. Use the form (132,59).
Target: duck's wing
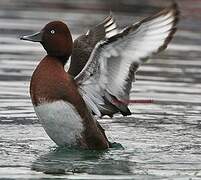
(113,63)
(105,29)
(84,44)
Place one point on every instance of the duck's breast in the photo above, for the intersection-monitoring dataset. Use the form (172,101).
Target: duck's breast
(61,121)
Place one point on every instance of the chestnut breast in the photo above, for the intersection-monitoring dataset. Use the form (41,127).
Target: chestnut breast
(50,82)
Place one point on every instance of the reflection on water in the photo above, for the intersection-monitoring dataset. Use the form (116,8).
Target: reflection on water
(70,161)
(160,140)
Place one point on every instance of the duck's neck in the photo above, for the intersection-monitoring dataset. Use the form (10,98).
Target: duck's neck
(61,59)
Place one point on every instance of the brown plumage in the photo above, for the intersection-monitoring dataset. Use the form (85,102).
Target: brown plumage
(84,44)
(51,83)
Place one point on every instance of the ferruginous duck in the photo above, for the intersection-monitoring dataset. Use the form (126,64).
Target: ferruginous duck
(100,76)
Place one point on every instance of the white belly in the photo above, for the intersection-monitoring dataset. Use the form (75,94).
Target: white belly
(61,121)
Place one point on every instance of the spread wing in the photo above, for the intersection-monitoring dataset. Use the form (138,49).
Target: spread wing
(84,44)
(113,62)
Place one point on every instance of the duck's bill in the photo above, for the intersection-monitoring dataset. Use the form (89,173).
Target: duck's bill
(36,37)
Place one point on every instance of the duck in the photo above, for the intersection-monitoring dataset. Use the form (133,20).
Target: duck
(67,103)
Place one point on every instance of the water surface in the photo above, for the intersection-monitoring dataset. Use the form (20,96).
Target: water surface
(161,140)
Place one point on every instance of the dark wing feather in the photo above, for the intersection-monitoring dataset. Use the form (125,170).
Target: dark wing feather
(84,45)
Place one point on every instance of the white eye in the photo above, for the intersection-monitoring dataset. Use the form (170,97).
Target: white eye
(52,31)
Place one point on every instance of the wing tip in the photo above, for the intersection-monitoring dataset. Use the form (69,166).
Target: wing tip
(110,25)
(174,9)
(109,20)
(106,26)
(175,12)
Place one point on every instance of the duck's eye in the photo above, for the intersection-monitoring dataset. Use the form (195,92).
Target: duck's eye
(52,31)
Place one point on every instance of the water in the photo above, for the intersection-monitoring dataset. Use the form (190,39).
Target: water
(161,140)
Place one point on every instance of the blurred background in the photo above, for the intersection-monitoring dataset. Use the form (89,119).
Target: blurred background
(160,140)
(27,10)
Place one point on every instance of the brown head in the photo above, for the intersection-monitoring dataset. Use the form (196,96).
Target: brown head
(55,38)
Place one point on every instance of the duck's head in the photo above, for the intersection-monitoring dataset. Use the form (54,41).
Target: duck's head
(55,38)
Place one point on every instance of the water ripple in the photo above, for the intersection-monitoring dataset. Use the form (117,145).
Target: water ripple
(160,140)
